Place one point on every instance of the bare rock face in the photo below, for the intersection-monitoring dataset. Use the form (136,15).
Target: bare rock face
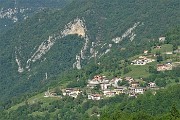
(9,14)
(129,33)
(77,64)
(75,27)
(20,68)
(42,50)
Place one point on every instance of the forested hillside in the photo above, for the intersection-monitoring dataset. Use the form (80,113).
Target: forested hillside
(162,106)
(63,64)
(84,32)
(13,11)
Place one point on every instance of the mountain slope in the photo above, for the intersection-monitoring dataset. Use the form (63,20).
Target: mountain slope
(52,41)
(122,107)
(12,12)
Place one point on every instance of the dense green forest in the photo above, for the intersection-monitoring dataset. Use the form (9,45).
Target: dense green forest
(13,11)
(33,3)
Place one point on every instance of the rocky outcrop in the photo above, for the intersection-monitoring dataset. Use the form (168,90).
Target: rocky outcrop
(42,50)
(12,13)
(129,33)
(75,27)
(18,61)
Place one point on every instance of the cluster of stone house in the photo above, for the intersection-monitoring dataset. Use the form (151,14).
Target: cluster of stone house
(72,92)
(103,82)
(110,88)
(50,94)
(95,96)
(142,60)
(164,67)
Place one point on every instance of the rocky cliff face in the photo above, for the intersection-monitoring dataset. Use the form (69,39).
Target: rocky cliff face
(75,27)
(13,14)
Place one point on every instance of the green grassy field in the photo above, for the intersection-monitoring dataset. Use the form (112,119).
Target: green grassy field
(164,48)
(38,113)
(139,71)
(37,98)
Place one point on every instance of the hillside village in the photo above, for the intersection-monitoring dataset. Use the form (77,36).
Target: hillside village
(89,60)
(100,87)
(164,54)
